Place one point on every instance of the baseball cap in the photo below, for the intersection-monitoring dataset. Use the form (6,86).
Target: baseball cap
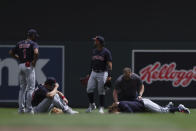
(31,32)
(50,81)
(99,38)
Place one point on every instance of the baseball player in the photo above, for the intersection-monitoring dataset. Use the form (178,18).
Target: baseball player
(46,96)
(101,72)
(26,53)
(145,105)
(129,88)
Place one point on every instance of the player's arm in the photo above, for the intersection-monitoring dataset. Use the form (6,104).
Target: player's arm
(109,70)
(13,54)
(141,91)
(63,97)
(115,95)
(115,91)
(109,62)
(52,93)
(36,54)
(141,88)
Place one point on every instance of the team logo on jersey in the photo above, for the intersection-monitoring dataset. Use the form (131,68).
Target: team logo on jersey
(24,45)
(97,57)
(167,72)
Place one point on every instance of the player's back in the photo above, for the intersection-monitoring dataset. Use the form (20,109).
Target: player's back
(39,94)
(25,50)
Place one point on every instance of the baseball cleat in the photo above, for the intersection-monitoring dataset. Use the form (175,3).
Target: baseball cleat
(91,108)
(21,111)
(170,105)
(71,112)
(183,109)
(30,112)
(101,110)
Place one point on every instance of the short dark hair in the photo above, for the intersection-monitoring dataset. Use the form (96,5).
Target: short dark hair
(50,81)
(126,69)
(113,108)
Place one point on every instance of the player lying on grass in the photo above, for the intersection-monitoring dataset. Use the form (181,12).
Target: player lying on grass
(129,90)
(46,96)
(145,105)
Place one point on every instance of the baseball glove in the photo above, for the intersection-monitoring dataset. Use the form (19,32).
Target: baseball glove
(84,81)
(56,111)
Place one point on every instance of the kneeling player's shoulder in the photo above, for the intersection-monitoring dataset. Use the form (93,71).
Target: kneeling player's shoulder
(136,76)
(120,78)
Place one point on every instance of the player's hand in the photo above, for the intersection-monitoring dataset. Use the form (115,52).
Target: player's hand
(139,97)
(65,100)
(33,63)
(117,102)
(109,79)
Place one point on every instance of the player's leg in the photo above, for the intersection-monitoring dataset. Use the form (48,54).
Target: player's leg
(43,106)
(51,107)
(183,109)
(101,78)
(90,91)
(151,106)
(22,91)
(124,107)
(59,103)
(30,87)
(180,108)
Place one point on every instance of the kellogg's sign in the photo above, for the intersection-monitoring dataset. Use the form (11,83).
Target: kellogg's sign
(166,73)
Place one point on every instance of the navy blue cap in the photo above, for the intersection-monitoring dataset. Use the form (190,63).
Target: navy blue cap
(99,38)
(50,81)
(31,32)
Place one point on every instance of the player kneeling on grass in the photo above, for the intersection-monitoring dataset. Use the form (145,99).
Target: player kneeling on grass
(145,105)
(46,96)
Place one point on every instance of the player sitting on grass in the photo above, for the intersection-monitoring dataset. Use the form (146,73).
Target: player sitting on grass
(146,105)
(46,96)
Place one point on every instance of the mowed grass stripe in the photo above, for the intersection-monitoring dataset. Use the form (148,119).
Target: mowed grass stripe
(10,117)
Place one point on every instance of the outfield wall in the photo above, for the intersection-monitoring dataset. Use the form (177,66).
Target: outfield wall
(167,69)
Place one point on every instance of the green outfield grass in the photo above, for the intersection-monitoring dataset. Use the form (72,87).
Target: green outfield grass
(10,118)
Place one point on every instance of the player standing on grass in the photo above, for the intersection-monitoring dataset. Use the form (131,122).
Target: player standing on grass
(26,53)
(101,69)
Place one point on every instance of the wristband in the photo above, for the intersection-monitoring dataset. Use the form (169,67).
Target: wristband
(63,97)
(109,73)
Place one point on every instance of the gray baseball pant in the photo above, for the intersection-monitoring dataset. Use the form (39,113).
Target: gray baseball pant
(27,86)
(48,103)
(151,106)
(97,80)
